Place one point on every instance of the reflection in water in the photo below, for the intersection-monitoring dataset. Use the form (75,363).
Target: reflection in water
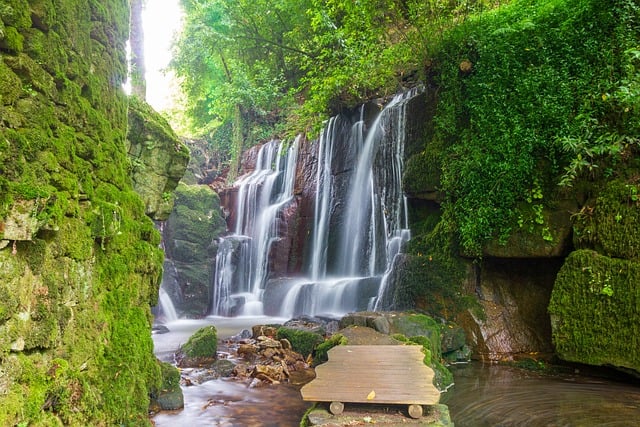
(500,396)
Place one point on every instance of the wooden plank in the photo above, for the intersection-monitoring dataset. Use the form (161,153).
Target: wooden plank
(390,374)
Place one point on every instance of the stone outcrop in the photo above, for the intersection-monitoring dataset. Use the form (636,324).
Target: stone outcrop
(593,307)
(79,259)
(159,159)
(190,249)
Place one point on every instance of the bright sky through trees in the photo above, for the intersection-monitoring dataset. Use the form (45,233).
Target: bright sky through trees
(161,20)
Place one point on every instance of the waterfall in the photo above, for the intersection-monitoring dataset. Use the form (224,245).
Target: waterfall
(359,225)
(243,258)
(166,306)
(374,223)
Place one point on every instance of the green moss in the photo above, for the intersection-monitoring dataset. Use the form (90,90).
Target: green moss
(203,343)
(594,310)
(321,350)
(170,376)
(16,13)
(12,40)
(303,342)
(611,226)
(10,85)
(540,85)
(443,378)
(422,172)
(80,291)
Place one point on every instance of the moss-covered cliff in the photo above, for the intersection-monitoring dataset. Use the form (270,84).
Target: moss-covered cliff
(189,239)
(531,154)
(159,159)
(79,264)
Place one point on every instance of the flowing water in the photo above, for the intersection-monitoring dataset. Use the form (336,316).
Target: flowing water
(242,259)
(359,225)
(226,402)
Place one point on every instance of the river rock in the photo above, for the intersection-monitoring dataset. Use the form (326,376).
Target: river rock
(264,330)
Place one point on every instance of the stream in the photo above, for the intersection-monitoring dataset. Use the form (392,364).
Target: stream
(483,395)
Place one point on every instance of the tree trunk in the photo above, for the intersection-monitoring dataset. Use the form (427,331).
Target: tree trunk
(136,39)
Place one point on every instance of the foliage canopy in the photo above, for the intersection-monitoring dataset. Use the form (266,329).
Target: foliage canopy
(298,60)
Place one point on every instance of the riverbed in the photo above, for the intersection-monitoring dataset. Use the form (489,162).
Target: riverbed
(483,395)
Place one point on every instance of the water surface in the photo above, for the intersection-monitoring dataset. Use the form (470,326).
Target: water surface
(503,396)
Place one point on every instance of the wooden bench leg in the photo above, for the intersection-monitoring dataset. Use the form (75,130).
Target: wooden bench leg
(415,411)
(336,408)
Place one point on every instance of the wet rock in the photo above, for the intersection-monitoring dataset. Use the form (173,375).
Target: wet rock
(266,342)
(160,329)
(264,330)
(306,323)
(362,335)
(247,351)
(273,374)
(221,368)
(22,222)
(200,349)
(169,397)
(190,254)
(514,295)
(452,337)
(245,334)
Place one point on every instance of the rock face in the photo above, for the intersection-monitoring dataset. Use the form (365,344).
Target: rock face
(593,307)
(158,157)
(190,249)
(79,259)
(513,294)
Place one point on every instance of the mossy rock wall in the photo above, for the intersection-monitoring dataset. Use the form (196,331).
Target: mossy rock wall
(159,159)
(79,260)
(595,308)
(189,239)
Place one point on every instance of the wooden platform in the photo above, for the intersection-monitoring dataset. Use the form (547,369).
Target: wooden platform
(381,374)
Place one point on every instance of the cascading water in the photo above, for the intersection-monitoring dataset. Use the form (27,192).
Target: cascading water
(359,222)
(242,260)
(354,245)
(166,306)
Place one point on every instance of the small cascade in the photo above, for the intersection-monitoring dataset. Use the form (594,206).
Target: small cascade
(243,257)
(166,306)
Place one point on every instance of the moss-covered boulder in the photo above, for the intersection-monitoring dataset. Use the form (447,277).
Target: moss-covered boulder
(610,224)
(169,396)
(159,159)
(200,348)
(595,310)
(546,233)
(303,342)
(189,238)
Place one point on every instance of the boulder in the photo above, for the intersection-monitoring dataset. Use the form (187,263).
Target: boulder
(169,397)
(188,236)
(200,348)
(594,311)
